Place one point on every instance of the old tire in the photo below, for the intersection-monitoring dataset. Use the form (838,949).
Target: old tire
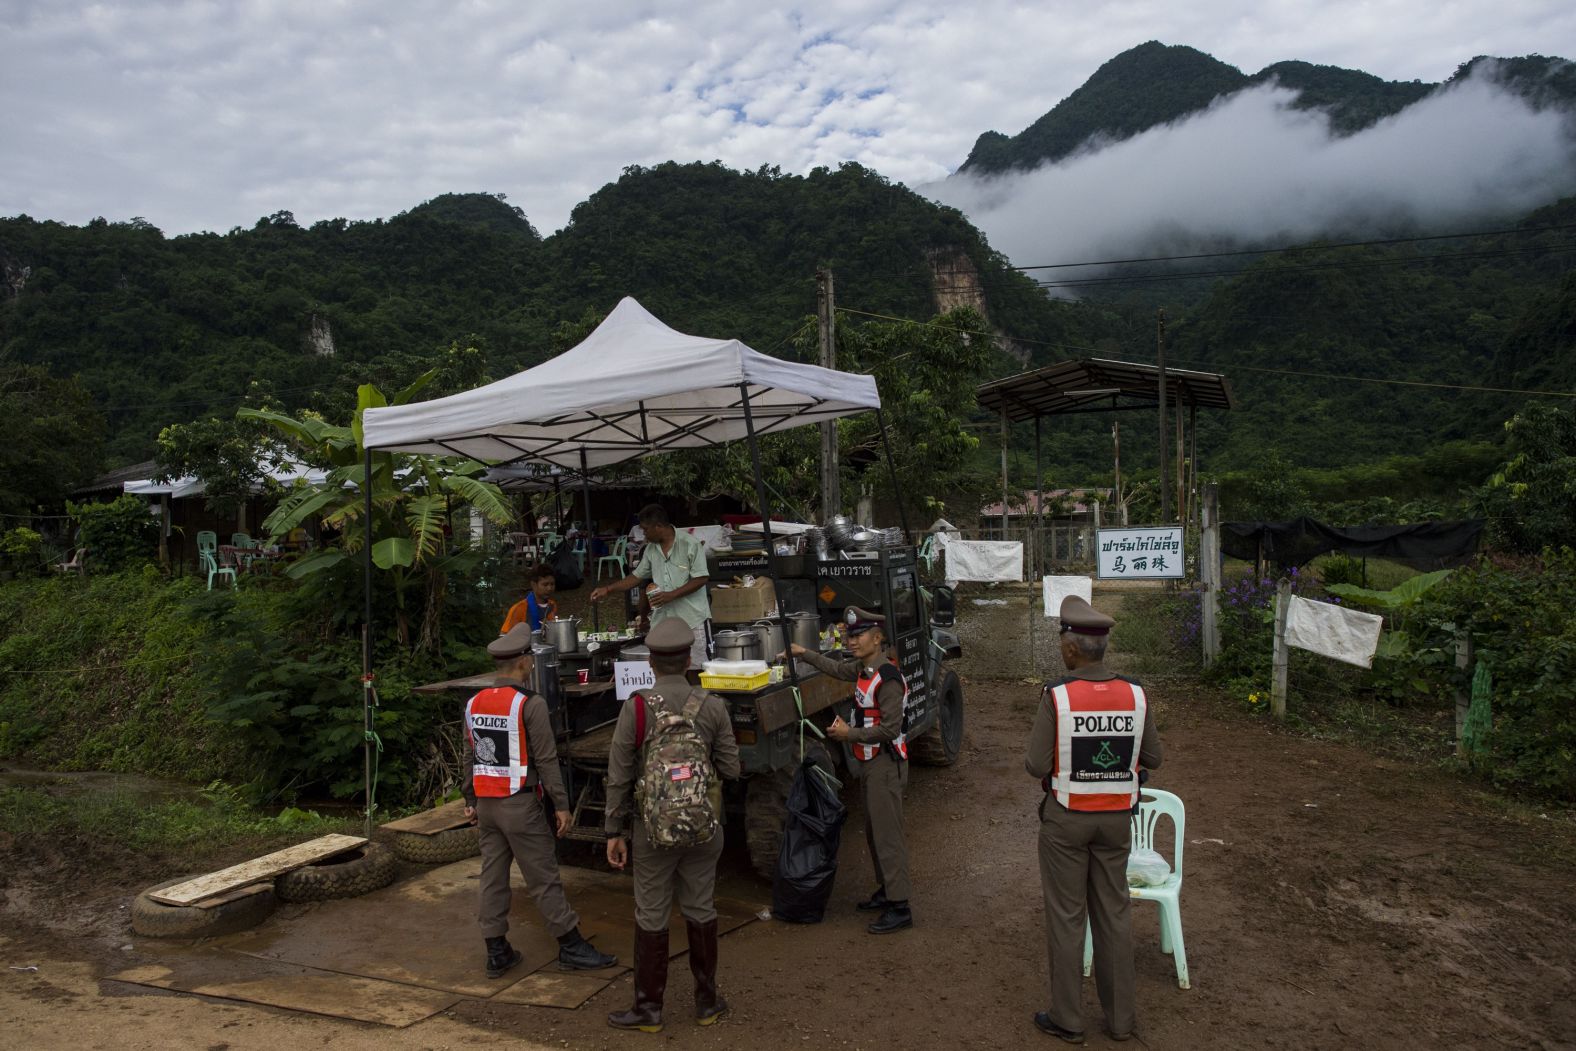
(766,808)
(154,919)
(455,844)
(347,875)
(941,744)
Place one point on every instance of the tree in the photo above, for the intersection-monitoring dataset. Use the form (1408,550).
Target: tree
(235,458)
(412,497)
(1531,501)
(50,438)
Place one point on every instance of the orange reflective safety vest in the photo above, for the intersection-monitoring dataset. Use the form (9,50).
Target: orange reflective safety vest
(496,733)
(867,710)
(1099,724)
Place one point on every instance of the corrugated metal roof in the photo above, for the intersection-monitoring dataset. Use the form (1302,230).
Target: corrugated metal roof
(1100,385)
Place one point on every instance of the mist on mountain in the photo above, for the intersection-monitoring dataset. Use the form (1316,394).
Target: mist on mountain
(1253,170)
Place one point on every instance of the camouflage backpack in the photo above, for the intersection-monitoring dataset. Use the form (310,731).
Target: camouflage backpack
(674,789)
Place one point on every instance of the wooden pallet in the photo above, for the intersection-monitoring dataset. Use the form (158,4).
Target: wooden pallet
(431,822)
(264,868)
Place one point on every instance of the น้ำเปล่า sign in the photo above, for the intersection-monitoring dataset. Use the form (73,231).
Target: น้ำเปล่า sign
(629,676)
(1143,553)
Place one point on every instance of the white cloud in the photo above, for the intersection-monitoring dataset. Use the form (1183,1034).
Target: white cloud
(1251,170)
(209,113)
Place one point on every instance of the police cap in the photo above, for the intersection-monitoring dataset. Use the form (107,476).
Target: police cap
(859,621)
(515,642)
(671,635)
(1080,618)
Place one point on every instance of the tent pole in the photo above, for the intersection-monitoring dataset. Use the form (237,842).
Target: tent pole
(367,730)
(585,491)
(766,531)
(897,492)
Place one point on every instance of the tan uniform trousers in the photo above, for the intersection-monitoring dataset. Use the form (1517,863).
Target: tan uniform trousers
(1083,858)
(658,870)
(514,828)
(882,785)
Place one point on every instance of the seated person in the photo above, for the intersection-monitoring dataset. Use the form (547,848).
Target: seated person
(538,606)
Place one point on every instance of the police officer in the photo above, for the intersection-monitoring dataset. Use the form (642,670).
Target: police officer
(880,750)
(1092,733)
(511,776)
(660,871)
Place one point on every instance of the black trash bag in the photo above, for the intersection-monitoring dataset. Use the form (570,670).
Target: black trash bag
(807,862)
(567,574)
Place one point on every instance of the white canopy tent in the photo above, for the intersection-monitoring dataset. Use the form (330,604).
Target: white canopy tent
(633,387)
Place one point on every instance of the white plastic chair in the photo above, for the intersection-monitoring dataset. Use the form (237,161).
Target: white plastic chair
(1153,804)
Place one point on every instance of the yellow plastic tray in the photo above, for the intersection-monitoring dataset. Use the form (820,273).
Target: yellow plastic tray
(735,682)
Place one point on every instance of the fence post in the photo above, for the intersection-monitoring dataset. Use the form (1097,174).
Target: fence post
(1463,688)
(1209,575)
(1278,685)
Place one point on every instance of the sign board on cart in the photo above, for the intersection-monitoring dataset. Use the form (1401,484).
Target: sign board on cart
(1141,553)
(629,676)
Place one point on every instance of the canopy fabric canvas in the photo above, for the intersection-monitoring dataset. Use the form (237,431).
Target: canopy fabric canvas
(632,388)
(191,485)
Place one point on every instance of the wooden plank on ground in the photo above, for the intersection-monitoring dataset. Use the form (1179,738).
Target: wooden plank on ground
(266,867)
(431,822)
(551,989)
(234,895)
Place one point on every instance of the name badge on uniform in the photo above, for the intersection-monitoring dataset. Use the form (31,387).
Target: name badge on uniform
(681,773)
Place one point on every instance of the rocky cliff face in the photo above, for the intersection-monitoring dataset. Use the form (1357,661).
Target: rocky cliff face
(320,337)
(958,284)
(13,276)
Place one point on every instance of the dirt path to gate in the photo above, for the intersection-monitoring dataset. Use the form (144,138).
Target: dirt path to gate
(1332,900)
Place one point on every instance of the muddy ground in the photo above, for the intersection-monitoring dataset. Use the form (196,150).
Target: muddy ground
(1332,899)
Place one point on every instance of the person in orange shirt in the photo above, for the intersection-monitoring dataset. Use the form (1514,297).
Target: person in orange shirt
(538,606)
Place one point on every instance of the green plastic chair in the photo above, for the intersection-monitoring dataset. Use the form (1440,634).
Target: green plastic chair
(1153,804)
(620,546)
(550,542)
(207,540)
(927,552)
(212,567)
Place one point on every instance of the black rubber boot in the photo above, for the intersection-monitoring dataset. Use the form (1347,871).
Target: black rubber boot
(651,983)
(877,902)
(709,1004)
(1042,1022)
(897,917)
(501,956)
(577,954)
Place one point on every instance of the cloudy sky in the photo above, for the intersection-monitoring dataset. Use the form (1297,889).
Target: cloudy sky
(207,115)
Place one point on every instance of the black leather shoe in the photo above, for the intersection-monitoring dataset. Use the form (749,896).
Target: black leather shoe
(1042,1022)
(501,956)
(877,902)
(1120,1038)
(581,955)
(897,917)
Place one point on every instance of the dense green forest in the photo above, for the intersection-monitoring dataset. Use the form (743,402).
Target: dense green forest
(111,331)
(1154,84)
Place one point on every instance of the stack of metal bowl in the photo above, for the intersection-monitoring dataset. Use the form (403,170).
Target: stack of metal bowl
(892,536)
(863,539)
(840,531)
(816,543)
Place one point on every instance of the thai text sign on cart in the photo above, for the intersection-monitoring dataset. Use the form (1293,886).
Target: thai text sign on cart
(1145,553)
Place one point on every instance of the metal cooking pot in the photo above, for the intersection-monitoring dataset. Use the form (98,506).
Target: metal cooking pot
(737,646)
(805,629)
(770,632)
(563,635)
(635,651)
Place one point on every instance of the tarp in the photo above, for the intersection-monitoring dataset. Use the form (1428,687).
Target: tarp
(632,388)
(985,560)
(1057,588)
(1348,635)
(1424,545)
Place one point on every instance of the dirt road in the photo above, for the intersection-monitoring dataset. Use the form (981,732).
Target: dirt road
(1332,900)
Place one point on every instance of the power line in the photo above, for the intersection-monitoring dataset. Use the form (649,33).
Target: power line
(938,324)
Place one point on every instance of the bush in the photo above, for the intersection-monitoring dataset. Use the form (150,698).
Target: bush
(118,535)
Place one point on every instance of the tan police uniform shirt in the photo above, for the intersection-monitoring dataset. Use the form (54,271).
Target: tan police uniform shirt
(889,697)
(1041,755)
(541,753)
(623,757)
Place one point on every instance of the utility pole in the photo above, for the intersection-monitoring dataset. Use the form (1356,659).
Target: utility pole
(826,324)
(1160,361)
(1116,458)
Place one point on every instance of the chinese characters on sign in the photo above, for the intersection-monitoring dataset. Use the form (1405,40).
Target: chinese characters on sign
(1152,553)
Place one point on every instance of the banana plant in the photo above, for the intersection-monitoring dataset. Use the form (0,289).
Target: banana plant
(411,498)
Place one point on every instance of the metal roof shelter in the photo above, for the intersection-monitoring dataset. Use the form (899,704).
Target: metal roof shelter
(1091,385)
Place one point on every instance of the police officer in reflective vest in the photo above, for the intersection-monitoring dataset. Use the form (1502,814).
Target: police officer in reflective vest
(880,751)
(511,777)
(690,867)
(1091,735)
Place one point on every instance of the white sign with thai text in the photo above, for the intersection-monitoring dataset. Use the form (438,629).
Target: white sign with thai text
(629,676)
(1144,553)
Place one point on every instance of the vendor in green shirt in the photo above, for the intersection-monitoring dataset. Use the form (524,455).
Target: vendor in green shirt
(674,566)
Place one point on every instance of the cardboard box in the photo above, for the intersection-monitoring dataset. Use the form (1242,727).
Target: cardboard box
(739,605)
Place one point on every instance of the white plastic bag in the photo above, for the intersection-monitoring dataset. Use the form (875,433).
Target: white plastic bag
(1146,868)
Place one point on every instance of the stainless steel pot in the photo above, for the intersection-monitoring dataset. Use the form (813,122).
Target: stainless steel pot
(635,651)
(563,635)
(770,632)
(737,645)
(805,629)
